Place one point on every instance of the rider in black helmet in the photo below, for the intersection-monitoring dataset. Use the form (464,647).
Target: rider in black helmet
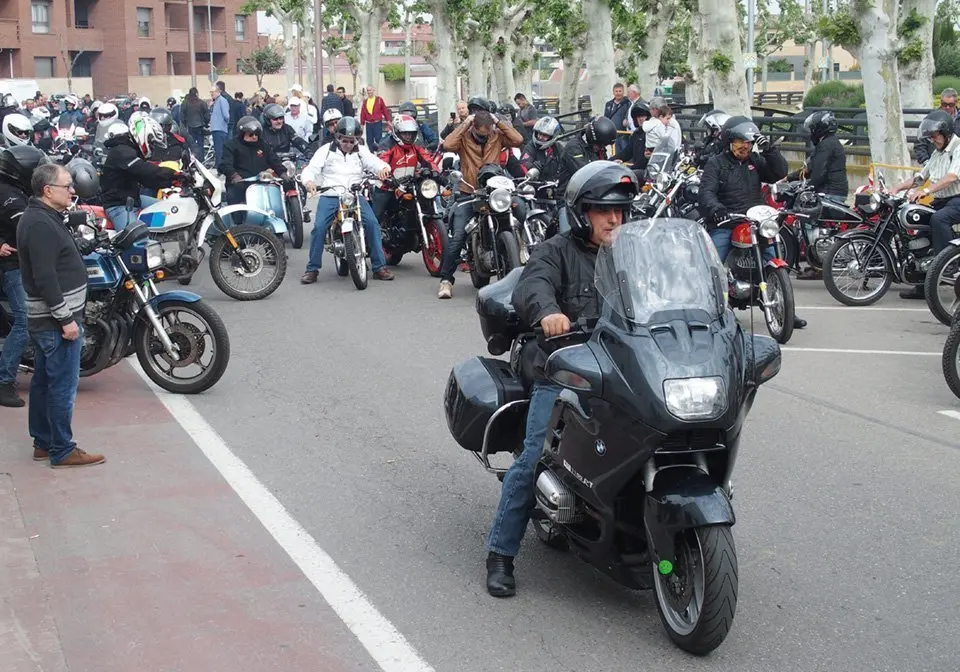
(426,136)
(278,134)
(246,155)
(826,167)
(555,289)
(590,145)
(173,148)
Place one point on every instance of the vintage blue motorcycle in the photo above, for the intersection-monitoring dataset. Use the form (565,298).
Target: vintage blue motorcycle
(180,341)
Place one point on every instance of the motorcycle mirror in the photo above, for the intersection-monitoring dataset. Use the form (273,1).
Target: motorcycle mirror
(455,177)
(533,173)
(576,368)
(917,179)
(766,358)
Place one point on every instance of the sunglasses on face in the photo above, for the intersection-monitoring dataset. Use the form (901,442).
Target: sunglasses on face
(23,135)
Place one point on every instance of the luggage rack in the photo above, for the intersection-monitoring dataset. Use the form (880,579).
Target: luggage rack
(484,456)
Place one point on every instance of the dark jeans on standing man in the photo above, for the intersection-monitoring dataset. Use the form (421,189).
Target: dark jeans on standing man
(53,392)
(374,133)
(459,217)
(196,142)
(16,341)
(219,137)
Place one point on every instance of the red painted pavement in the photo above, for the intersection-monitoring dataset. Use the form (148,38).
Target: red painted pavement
(148,562)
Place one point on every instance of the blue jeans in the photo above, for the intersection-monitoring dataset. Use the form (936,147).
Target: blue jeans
(53,392)
(943,221)
(121,218)
(517,496)
(374,133)
(721,241)
(219,137)
(16,341)
(196,142)
(326,210)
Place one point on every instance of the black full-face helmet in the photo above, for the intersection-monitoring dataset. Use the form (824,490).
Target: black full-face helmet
(820,124)
(17,164)
(599,183)
(601,132)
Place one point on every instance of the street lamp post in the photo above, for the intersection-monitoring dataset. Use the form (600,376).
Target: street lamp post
(213,70)
(192,48)
(751,57)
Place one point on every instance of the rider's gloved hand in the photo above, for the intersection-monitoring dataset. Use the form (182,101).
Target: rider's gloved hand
(235,178)
(720,214)
(762,143)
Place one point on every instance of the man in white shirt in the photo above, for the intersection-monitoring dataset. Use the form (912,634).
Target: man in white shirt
(298,120)
(633,95)
(336,166)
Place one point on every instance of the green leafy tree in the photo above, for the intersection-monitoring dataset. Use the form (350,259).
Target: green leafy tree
(263,61)
(774,29)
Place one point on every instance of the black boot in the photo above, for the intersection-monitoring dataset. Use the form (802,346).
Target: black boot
(915,293)
(9,398)
(500,582)
(799,322)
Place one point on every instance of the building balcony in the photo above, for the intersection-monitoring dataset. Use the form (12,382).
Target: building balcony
(9,32)
(85,39)
(177,39)
(215,40)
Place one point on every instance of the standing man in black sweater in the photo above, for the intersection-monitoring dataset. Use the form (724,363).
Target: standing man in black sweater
(55,280)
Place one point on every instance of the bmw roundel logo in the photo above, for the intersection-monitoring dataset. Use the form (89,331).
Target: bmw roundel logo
(174,210)
(914,216)
(601,447)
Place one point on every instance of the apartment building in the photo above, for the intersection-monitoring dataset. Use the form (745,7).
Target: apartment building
(111,40)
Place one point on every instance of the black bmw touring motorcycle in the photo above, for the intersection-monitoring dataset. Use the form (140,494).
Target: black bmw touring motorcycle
(635,476)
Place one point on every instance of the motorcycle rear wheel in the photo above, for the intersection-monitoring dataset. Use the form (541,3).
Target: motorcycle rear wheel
(951,357)
(356,259)
(262,248)
(296,221)
(705,576)
(933,283)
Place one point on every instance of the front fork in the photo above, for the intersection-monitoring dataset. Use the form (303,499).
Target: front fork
(225,230)
(143,295)
(765,302)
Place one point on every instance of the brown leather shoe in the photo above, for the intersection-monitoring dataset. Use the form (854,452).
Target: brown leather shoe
(383,274)
(40,454)
(309,277)
(79,458)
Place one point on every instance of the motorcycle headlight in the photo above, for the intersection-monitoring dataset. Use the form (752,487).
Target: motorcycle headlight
(500,200)
(153,252)
(663,181)
(348,199)
(769,228)
(429,189)
(695,398)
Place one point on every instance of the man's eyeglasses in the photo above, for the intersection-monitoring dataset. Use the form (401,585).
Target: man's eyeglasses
(70,186)
(949,106)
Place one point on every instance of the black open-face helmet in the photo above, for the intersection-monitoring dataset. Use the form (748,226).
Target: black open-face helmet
(820,124)
(347,133)
(408,108)
(17,164)
(599,183)
(272,111)
(487,171)
(164,118)
(249,124)
(86,180)
(937,121)
(740,128)
(477,103)
(639,109)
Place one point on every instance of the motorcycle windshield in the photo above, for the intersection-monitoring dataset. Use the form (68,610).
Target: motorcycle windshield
(655,266)
(664,157)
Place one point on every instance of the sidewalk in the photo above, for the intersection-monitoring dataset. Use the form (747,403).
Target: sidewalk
(149,562)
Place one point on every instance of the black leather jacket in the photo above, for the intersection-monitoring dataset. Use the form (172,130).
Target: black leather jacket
(13,201)
(576,154)
(827,168)
(733,185)
(281,140)
(125,173)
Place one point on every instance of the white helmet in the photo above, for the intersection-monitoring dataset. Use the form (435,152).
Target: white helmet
(17,130)
(42,112)
(405,129)
(115,130)
(107,112)
(146,132)
(94,105)
(143,100)
(333,114)
(72,100)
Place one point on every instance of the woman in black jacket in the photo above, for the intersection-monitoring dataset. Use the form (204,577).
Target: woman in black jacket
(194,117)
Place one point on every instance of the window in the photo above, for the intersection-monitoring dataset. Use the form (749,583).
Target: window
(43,67)
(144,19)
(145,66)
(40,12)
(241,27)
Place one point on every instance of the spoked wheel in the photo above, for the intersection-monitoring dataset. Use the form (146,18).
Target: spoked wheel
(940,284)
(356,259)
(789,247)
(296,221)
(951,357)
(852,278)
(340,264)
(266,263)
(201,340)
(508,252)
(782,308)
(697,592)
(434,246)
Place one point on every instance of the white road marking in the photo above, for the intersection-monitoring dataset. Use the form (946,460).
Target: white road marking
(385,644)
(859,309)
(950,414)
(864,352)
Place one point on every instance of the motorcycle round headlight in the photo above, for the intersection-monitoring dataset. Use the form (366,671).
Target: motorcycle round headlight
(500,200)
(663,181)
(348,199)
(154,255)
(769,228)
(429,189)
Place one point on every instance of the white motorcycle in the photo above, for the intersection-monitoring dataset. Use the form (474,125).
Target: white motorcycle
(247,262)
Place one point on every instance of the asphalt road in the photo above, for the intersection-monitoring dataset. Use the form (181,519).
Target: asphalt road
(846,488)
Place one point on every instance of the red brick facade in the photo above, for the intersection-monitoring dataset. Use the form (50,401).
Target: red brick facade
(109,43)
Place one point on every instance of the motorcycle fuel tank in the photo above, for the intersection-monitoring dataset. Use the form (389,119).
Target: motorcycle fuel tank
(101,272)
(170,214)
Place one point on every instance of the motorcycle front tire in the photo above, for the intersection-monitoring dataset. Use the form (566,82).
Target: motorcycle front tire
(356,260)
(508,253)
(781,277)
(267,238)
(951,358)
(931,283)
(295,225)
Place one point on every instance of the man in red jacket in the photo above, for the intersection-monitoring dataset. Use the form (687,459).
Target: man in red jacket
(374,115)
(405,158)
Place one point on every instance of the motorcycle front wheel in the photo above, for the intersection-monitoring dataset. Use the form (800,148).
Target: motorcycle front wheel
(296,221)
(356,259)
(697,593)
(203,347)
(783,310)
(434,246)
(951,357)
(847,272)
(265,258)
(940,284)
(508,252)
